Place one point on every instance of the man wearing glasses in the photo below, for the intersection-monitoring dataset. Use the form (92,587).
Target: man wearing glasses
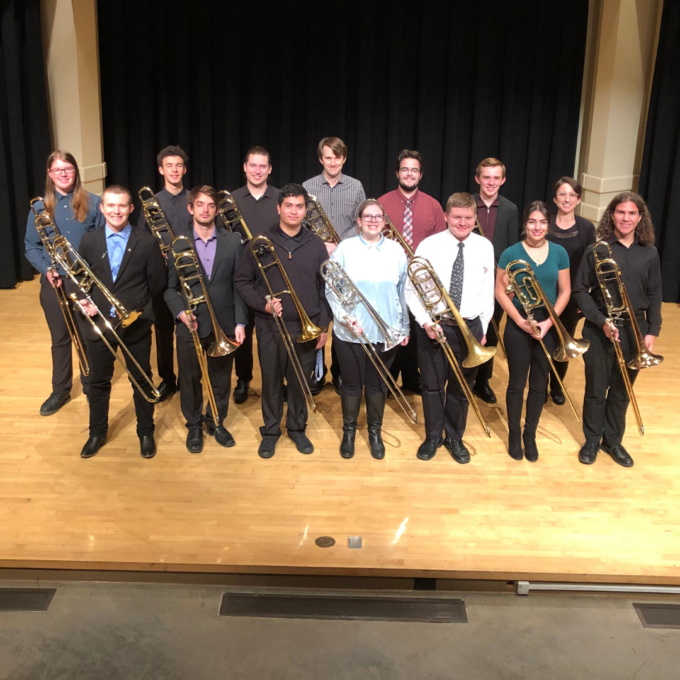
(416,216)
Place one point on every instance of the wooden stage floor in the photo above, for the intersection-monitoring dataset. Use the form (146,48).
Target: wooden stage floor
(228,511)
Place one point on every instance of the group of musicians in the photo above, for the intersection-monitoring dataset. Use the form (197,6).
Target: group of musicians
(272,279)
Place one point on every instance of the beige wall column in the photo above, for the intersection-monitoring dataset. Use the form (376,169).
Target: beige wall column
(71,51)
(616,95)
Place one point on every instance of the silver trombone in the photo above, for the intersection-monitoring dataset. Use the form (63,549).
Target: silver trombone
(349,296)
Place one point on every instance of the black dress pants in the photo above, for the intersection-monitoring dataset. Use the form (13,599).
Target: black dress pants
(164,330)
(276,365)
(444,403)
(485,372)
(102,363)
(406,359)
(243,357)
(62,362)
(190,388)
(357,370)
(606,399)
(569,318)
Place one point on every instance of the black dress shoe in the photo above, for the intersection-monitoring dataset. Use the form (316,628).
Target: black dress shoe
(558,397)
(458,450)
(619,454)
(241,391)
(195,440)
(428,448)
(588,453)
(515,446)
(92,445)
(485,393)
(267,447)
(530,448)
(166,391)
(147,446)
(223,437)
(301,442)
(315,386)
(53,403)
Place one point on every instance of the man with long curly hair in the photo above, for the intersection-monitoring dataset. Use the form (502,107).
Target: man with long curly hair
(627,227)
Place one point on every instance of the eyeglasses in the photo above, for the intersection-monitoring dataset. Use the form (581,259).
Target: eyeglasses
(373,218)
(409,171)
(63,171)
(564,194)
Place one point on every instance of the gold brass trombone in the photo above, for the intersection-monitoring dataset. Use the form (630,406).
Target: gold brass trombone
(318,221)
(231,215)
(530,293)
(261,246)
(349,296)
(189,273)
(48,231)
(156,219)
(620,312)
(437,302)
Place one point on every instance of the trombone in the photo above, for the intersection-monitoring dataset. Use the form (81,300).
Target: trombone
(189,272)
(48,231)
(156,219)
(529,292)
(621,311)
(432,296)
(66,256)
(261,246)
(349,296)
(390,231)
(318,221)
(226,205)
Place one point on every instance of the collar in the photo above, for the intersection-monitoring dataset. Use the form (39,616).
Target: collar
(325,181)
(297,236)
(124,233)
(455,240)
(403,198)
(212,236)
(482,204)
(61,196)
(377,245)
(266,193)
(614,239)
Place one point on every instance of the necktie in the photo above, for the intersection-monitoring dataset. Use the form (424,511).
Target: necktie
(115,260)
(408,222)
(457,272)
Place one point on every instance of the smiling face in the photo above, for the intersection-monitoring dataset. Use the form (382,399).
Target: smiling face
(461,221)
(116,208)
(566,199)
(409,174)
(536,228)
(626,217)
(63,174)
(173,170)
(332,164)
(292,211)
(371,222)
(490,180)
(257,170)
(204,210)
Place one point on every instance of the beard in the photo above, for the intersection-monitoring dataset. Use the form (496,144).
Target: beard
(208,222)
(407,189)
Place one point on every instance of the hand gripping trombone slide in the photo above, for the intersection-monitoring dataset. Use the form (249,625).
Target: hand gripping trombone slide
(349,296)
(432,294)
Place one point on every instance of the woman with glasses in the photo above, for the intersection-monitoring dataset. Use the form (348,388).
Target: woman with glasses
(574,233)
(377,267)
(74,211)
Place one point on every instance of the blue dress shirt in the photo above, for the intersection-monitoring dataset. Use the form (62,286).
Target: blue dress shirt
(116,243)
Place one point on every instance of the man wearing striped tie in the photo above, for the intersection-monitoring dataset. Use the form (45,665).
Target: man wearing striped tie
(416,216)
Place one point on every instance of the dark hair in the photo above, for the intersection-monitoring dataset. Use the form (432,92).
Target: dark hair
(338,147)
(489,163)
(260,151)
(461,199)
(366,203)
(172,151)
(533,207)
(203,189)
(292,189)
(406,153)
(578,190)
(80,203)
(117,189)
(644,232)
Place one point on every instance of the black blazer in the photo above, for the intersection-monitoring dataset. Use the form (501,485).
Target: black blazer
(229,308)
(506,231)
(142,275)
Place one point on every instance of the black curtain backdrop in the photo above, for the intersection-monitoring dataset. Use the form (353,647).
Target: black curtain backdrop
(457,81)
(24,131)
(660,173)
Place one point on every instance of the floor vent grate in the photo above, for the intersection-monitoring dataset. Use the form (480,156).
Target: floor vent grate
(658,615)
(344,607)
(25,599)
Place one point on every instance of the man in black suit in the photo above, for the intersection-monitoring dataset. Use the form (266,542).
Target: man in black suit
(499,221)
(129,264)
(217,251)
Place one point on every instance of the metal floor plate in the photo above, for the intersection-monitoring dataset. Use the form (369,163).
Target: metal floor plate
(26,599)
(658,615)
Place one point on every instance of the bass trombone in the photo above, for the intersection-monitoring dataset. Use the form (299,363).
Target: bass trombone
(318,221)
(620,311)
(436,301)
(530,293)
(48,231)
(189,273)
(261,246)
(231,215)
(349,296)
(155,219)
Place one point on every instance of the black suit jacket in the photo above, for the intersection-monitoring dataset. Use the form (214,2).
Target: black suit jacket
(142,275)
(229,307)
(506,231)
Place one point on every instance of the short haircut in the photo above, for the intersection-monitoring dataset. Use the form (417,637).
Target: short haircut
(292,189)
(172,151)
(406,153)
(531,208)
(489,163)
(117,189)
(461,199)
(366,203)
(203,189)
(578,190)
(258,151)
(338,147)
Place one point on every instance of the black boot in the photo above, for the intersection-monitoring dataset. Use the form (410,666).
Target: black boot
(350,413)
(530,448)
(515,445)
(375,408)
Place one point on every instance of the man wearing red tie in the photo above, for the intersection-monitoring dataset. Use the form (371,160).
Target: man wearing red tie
(416,216)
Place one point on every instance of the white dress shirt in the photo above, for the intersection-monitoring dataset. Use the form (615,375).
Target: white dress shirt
(478,279)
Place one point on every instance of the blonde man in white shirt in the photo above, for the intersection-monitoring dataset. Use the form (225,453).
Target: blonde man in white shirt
(464,262)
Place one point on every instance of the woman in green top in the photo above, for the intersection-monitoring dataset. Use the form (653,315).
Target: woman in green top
(526,357)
